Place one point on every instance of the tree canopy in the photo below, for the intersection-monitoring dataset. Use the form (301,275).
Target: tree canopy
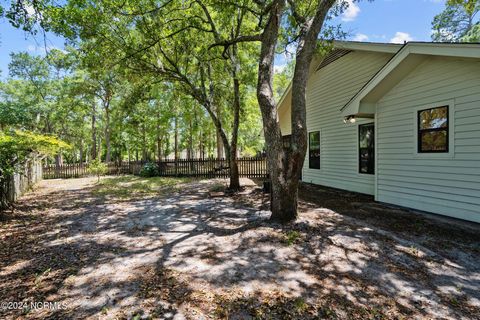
(150,79)
(459,22)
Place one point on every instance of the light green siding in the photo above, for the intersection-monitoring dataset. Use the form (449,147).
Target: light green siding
(447,184)
(328,90)
(284,114)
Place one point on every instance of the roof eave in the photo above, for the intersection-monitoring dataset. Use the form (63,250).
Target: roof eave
(368,46)
(470,50)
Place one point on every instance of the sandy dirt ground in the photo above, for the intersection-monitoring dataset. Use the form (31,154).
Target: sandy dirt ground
(111,251)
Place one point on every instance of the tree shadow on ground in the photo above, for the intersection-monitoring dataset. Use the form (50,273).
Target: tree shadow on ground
(180,252)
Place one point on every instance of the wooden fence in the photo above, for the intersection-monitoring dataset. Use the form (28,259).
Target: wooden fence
(13,186)
(254,167)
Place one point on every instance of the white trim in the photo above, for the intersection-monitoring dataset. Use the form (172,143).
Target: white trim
(367,46)
(451,130)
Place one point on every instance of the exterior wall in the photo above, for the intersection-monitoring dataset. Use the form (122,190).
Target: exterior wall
(447,184)
(328,90)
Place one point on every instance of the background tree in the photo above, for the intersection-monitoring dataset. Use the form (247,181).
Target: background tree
(171,42)
(458,22)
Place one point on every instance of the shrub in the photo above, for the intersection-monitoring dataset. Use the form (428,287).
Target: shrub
(96,167)
(17,146)
(149,170)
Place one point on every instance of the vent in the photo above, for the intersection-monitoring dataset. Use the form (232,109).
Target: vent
(333,56)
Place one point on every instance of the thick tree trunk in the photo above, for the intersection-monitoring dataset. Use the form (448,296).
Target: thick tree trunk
(284,196)
(285,165)
(283,187)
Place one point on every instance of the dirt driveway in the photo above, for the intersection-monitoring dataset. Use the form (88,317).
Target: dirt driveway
(163,249)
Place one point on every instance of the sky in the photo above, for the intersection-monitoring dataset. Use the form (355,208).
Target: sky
(377,21)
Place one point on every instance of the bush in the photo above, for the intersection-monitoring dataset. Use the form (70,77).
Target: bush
(17,146)
(96,167)
(149,170)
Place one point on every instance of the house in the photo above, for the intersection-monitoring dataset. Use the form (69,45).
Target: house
(399,122)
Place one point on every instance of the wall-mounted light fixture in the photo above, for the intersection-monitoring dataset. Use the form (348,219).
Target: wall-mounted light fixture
(353,118)
(349,119)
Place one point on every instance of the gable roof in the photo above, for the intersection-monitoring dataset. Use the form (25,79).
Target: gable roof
(408,57)
(340,48)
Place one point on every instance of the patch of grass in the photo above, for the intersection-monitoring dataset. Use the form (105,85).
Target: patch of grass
(104,310)
(138,316)
(292,237)
(454,302)
(217,188)
(300,305)
(128,186)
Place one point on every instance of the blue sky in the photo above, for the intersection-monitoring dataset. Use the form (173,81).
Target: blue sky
(377,21)
(391,20)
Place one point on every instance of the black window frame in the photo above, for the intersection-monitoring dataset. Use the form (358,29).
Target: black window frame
(420,131)
(310,157)
(370,169)
(287,141)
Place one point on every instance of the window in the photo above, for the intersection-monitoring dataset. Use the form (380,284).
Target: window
(366,148)
(287,141)
(314,150)
(433,130)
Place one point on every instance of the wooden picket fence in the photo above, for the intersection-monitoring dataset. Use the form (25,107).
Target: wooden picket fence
(249,167)
(13,186)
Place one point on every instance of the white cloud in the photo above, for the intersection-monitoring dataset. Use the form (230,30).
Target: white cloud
(351,12)
(360,37)
(401,37)
(42,50)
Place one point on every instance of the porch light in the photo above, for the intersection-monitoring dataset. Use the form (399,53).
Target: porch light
(353,118)
(349,119)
